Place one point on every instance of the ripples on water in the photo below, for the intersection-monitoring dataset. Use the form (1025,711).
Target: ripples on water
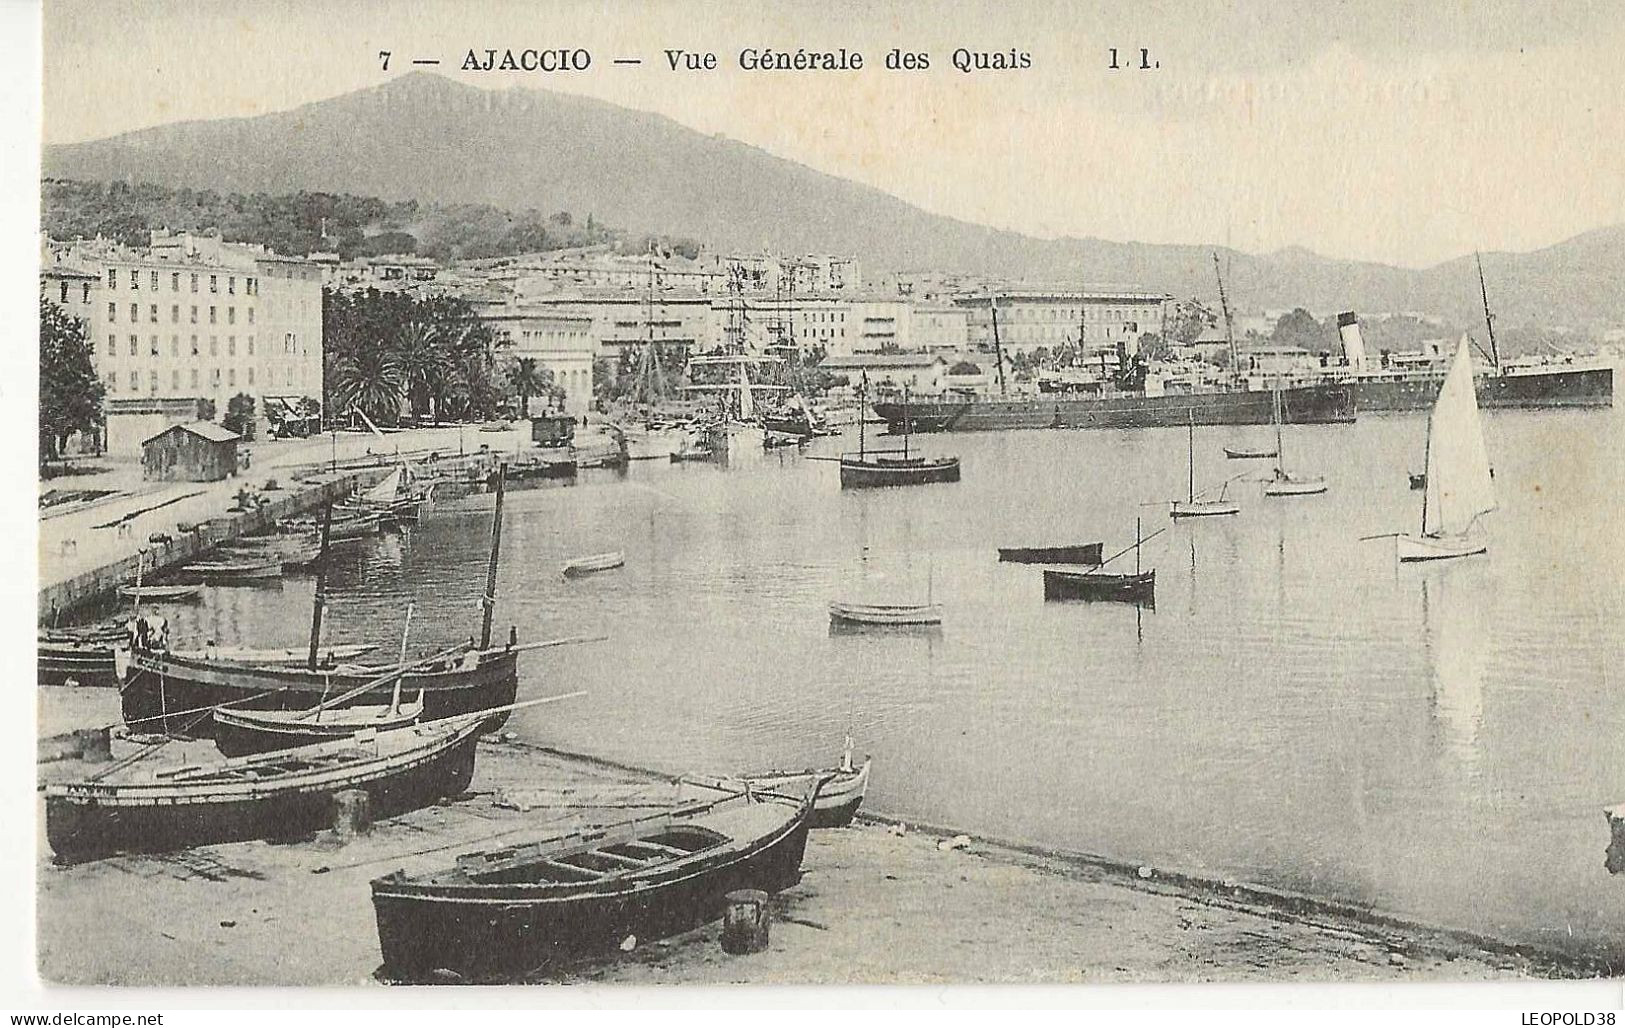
(1298,710)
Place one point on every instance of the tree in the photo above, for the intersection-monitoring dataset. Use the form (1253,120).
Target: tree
(205,409)
(70,392)
(527,378)
(240,416)
(1154,347)
(1298,328)
(1187,321)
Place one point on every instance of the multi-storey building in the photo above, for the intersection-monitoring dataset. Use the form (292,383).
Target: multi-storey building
(194,318)
(560,342)
(624,321)
(1031,317)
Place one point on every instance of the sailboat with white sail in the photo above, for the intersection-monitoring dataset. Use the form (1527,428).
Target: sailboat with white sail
(1459,488)
(1284,483)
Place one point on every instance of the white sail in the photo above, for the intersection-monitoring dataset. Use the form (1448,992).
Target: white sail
(385,491)
(1459,488)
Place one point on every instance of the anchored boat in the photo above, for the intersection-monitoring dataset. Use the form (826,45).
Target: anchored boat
(1459,488)
(597,562)
(864,470)
(1191,507)
(506,912)
(1082,553)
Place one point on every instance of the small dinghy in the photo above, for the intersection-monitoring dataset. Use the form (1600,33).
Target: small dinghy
(596,562)
(1233,453)
(227,571)
(840,789)
(1084,553)
(1093,585)
(886,613)
(502,913)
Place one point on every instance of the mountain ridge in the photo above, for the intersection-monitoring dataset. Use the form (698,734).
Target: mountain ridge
(425,137)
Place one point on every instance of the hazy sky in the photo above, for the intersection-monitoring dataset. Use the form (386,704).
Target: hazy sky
(1407,133)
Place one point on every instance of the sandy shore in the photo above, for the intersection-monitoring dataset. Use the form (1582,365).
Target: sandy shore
(877,903)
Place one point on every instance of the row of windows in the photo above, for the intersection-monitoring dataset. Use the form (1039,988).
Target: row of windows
(175,346)
(175,314)
(1023,312)
(215,380)
(84,296)
(251,286)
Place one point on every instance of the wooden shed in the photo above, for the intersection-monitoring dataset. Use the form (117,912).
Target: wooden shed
(198,452)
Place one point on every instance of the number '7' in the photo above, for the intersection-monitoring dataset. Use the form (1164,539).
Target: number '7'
(383,55)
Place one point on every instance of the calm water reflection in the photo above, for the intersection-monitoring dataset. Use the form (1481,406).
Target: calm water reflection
(1297,710)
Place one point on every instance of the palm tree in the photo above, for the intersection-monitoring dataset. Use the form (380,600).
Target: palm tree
(528,378)
(368,380)
(425,363)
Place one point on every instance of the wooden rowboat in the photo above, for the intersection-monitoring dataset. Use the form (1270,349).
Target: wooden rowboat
(235,570)
(840,789)
(157,593)
(887,613)
(255,656)
(1242,454)
(1083,553)
(868,472)
(240,732)
(511,911)
(596,562)
(1093,585)
(275,795)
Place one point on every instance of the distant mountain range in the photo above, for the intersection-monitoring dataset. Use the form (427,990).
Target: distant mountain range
(428,138)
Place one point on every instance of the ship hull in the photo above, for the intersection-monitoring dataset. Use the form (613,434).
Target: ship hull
(1321,404)
(1571,387)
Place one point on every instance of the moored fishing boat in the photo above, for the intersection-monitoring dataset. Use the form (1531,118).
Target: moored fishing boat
(519,909)
(863,470)
(886,613)
(261,655)
(1138,588)
(130,808)
(1081,553)
(77,662)
(1284,482)
(597,562)
(1192,506)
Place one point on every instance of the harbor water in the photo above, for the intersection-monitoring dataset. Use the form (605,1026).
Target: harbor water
(1433,741)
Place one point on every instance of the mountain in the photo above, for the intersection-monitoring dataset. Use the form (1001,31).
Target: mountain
(427,138)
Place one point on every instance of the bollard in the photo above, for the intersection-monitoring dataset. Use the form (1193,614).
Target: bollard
(1615,859)
(744,923)
(352,814)
(95,744)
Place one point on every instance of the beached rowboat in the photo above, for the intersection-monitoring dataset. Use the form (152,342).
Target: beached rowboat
(242,570)
(159,593)
(507,912)
(275,795)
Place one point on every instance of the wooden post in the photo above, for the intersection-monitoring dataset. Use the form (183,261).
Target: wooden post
(489,600)
(745,921)
(1615,860)
(321,589)
(352,814)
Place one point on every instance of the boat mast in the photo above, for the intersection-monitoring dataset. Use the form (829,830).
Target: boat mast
(998,349)
(1224,304)
(1190,456)
(1489,319)
(1136,546)
(489,600)
(863,404)
(406,630)
(905,421)
(321,589)
(1275,412)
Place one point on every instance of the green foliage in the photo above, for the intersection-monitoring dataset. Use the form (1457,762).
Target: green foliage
(354,226)
(384,351)
(240,416)
(70,393)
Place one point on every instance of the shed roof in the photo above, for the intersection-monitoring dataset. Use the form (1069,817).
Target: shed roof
(203,430)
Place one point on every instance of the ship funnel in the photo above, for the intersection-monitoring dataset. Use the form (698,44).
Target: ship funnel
(1348,330)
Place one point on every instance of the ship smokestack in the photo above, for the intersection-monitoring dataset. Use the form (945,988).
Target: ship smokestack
(1348,330)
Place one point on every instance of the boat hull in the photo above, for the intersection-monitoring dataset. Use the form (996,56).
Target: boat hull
(1416,548)
(592,565)
(80,664)
(1087,553)
(1295,487)
(886,614)
(1568,387)
(495,932)
(873,473)
(1319,404)
(1203,508)
(160,689)
(238,734)
(88,826)
(1069,585)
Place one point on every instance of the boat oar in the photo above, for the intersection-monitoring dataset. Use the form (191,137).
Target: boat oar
(498,710)
(549,643)
(815,456)
(1384,535)
(380,681)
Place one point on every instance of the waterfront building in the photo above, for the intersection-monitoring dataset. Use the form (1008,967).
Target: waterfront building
(625,320)
(789,275)
(192,317)
(940,327)
(673,273)
(1034,316)
(200,451)
(561,342)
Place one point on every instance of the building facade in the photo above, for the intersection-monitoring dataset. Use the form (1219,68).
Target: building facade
(562,343)
(1033,317)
